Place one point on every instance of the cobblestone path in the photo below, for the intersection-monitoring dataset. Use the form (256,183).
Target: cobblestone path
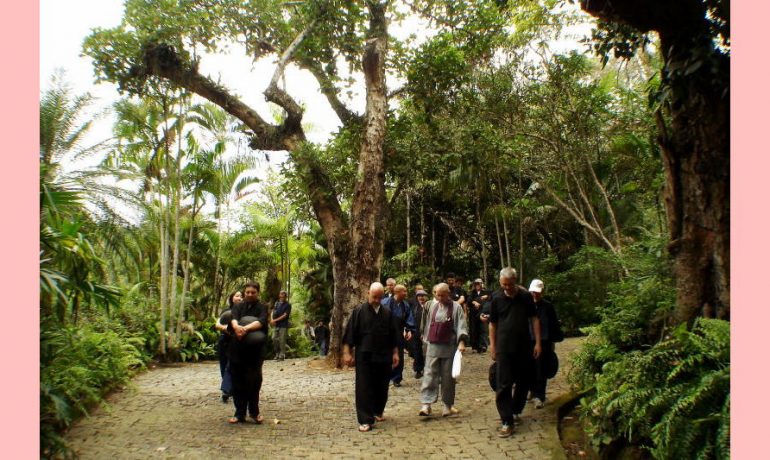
(175,412)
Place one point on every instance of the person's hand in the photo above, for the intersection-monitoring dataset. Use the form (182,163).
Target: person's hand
(395,360)
(484,318)
(476,305)
(240,331)
(492,352)
(538,350)
(408,335)
(461,347)
(348,359)
(273,322)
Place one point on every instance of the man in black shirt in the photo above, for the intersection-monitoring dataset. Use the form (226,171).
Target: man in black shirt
(246,358)
(476,299)
(456,291)
(510,316)
(280,321)
(372,335)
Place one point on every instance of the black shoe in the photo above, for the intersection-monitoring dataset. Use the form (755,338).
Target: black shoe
(225,397)
(418,375)
(396,384)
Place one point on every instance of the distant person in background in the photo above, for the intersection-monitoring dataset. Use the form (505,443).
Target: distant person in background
(246,358)
(456,291)
(322,338)
(416,344)
(309,333)
(402,313)
(223,342)
(550,333)
(390,284)
(446,332)
(476,299)
(280,321)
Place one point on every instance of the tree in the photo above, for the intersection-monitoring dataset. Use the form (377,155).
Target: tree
(158,41)
(694,40)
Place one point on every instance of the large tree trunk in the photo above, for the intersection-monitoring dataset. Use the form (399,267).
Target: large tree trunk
(696,155)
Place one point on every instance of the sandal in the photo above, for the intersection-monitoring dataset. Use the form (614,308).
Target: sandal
(364,428)
(380,418)
(235,420)
(259,420)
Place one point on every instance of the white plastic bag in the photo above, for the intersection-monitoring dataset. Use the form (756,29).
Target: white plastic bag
(457,363)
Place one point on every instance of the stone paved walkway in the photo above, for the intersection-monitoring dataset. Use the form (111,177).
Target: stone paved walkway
(175,412)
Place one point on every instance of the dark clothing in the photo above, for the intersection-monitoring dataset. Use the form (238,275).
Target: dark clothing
(372,380)
(541,372)
(511,316)
(415,345)
(246,363)
(375,334)
(223,345)
(513,369)
(477,330)
(224,369)
(515,364)
(322,339)
(279,309)
(550,332)
(402,313)
(456,292)
(372,336)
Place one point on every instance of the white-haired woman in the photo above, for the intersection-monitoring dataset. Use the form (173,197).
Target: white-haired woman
(445,332)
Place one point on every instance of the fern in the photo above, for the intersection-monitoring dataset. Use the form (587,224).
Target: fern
(673,399)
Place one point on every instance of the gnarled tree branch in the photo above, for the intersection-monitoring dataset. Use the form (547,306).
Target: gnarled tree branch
(162,60)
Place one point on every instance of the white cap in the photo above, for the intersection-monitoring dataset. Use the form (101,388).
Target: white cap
(536,286)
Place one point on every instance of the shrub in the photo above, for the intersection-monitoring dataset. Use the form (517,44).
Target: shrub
(673,399)
(78,366)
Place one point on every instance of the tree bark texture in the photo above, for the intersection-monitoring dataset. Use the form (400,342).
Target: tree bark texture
(696,155)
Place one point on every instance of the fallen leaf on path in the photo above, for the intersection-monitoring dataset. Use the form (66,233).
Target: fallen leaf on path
(161,449)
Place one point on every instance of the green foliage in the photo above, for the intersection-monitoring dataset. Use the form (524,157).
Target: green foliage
(78,366)
(674,398)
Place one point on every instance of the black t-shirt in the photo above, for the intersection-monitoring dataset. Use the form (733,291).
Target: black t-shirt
(511,316)
(476,295)
(456,292)
(372,334)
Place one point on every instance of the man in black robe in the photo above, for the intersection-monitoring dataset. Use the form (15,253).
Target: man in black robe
(371,343)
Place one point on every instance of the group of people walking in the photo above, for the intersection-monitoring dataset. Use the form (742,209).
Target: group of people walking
(516,325)
(522,329)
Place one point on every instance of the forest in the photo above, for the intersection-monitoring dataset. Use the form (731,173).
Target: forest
(603,170)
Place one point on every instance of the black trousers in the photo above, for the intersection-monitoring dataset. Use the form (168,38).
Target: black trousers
(477,331)
(513,369)
(540,381)
(372,382)
(415,345)
(397,374)
(247,383)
